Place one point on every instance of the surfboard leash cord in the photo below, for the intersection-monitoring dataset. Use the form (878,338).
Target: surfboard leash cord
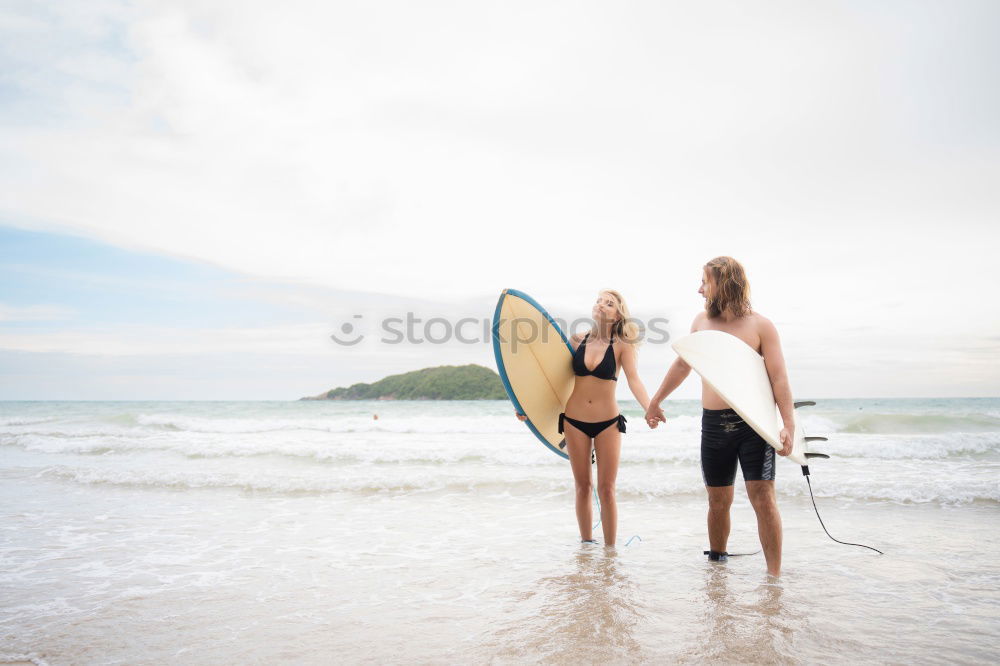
(597,505)
(805,473)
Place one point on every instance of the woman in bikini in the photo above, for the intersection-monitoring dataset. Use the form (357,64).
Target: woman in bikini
(592,410)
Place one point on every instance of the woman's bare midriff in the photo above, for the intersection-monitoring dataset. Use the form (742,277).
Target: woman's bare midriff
(592,400)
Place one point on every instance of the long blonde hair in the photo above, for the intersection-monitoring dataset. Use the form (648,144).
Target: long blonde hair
(625,328)
(732,289)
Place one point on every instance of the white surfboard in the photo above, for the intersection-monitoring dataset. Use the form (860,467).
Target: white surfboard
(738,374)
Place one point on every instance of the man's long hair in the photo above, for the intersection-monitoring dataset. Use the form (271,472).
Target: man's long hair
(732,289)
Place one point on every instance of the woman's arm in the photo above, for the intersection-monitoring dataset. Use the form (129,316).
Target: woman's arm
(774,361)
(575,340)
(632,374)
(676,374)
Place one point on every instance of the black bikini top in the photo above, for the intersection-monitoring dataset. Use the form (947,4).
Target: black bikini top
(606,369)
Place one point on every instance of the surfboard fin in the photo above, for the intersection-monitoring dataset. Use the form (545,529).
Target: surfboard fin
(816,439)
(811,454)
(804,403)
(562,444)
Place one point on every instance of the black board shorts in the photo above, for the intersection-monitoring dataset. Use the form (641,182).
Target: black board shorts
(726,439)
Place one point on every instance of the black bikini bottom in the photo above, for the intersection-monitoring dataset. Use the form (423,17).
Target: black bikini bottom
(592,429)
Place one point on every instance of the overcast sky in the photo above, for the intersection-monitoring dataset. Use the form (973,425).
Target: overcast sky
(194,195)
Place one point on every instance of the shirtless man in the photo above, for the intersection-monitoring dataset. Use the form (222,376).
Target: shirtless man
(725,438)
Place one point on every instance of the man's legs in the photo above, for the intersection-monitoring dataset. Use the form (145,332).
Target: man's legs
(718,471)
(765,505)
(720,499)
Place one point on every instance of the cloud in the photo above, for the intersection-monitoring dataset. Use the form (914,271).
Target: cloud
(444,152)
(35,313)
(364,148)
(130,340)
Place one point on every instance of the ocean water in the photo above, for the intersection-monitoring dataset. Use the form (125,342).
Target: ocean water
(442,532)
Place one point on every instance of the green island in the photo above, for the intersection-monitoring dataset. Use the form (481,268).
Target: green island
(446,382)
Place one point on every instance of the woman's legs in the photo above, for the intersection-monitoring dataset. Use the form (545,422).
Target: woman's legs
(608,445)
(578,448)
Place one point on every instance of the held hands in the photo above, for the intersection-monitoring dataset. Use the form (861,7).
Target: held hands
(785,437)
(655,416)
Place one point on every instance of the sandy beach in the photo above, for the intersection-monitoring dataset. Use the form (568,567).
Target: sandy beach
(276,532)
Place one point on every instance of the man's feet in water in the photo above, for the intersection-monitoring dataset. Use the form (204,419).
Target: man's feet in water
(716,556)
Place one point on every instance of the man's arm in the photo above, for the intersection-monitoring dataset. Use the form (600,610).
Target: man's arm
(774,361)
(676,374)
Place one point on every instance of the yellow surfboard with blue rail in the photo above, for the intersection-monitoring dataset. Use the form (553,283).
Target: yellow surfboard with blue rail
(534,360)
